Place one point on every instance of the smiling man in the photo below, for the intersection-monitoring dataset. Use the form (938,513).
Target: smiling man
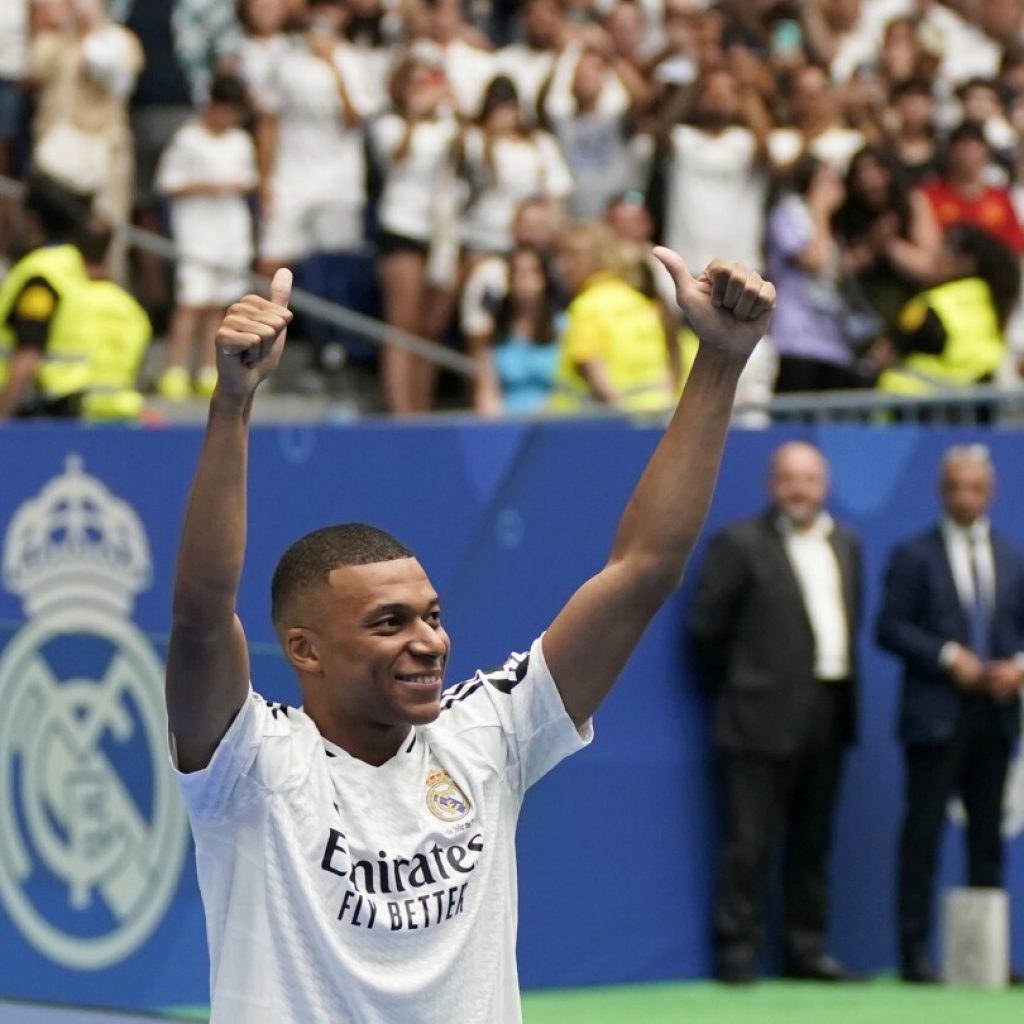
(356,856)
(774,625)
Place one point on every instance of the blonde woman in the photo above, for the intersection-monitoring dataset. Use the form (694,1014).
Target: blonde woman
(614,347)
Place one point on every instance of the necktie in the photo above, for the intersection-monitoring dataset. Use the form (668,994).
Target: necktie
(981,630)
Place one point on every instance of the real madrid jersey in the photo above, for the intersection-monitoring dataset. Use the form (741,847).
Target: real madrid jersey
(336,891)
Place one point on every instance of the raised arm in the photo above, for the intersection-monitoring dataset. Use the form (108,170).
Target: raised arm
(208,663)
(590,640)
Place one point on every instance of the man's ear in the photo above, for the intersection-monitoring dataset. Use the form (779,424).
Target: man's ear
(300,648)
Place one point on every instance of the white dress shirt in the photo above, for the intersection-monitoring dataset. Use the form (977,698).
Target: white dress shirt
(959,541)
(816,568)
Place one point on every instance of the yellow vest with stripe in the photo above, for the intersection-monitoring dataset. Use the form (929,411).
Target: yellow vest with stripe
(97,338)
(612,322)
(108,328)
(975,345)
(63,268)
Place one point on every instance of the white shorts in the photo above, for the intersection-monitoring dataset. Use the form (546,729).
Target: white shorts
(300,224)
(201,285)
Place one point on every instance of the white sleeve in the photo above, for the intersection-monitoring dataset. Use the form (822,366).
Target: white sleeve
(558,180)
(174,170)
(356,80)
(107,55)
(514,718)
(247,167)
(386,133)
(559,101)
(484,289)
(267,749)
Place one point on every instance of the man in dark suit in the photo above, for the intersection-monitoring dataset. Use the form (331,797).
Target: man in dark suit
(774,625)
(954,612)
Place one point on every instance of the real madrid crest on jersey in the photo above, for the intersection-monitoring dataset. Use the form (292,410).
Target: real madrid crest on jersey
(93,834)
(445,800)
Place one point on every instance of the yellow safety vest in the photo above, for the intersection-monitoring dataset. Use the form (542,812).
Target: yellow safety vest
(611,322)
(105,326)
(63,268)
(97,338)
(975,345)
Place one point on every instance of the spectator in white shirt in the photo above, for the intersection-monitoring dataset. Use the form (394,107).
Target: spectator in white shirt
(507,162)
(466,54)
(414,146)
(208,172)
(530,62)
(263,47)
(817,124)
(311,146)
(717,174)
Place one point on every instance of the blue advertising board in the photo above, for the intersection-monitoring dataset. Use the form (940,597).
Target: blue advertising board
(99,903)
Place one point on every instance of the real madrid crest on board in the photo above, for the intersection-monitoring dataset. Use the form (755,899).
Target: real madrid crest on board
(93,834)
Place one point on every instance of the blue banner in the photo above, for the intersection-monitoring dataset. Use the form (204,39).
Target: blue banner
(98,896)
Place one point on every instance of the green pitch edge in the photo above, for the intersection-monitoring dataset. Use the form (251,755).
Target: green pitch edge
(771,1002)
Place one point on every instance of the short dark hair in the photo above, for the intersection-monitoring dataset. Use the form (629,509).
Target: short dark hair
(917,86)
(59,209)
(93,239)
(310,560)
(229,90)
(967,131)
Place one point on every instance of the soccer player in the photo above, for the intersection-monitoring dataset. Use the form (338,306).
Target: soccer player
(356,856)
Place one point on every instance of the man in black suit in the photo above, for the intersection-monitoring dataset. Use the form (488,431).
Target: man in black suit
(774,625)
(954,612)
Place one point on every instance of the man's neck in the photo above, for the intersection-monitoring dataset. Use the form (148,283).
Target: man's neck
(373,744)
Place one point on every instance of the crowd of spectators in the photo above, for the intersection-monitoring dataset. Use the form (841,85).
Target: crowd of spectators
(491,175)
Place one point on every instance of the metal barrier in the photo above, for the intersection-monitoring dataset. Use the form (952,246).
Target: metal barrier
(968,406)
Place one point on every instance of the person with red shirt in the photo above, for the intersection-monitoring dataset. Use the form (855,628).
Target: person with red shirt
(964,196)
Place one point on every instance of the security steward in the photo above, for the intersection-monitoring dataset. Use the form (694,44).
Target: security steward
(70,343)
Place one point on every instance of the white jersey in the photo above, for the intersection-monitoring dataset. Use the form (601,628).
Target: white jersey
(336,891)
(717,190)
(217,228)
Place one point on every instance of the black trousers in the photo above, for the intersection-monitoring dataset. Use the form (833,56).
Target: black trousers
(797,373)
(973,765)
(790,798)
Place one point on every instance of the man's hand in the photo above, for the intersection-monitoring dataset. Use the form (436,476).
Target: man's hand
(967,669)
(729,307)
(251,338)
(1003,680)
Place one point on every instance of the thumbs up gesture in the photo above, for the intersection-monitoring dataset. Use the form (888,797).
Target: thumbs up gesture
(728,306)
(251,337)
